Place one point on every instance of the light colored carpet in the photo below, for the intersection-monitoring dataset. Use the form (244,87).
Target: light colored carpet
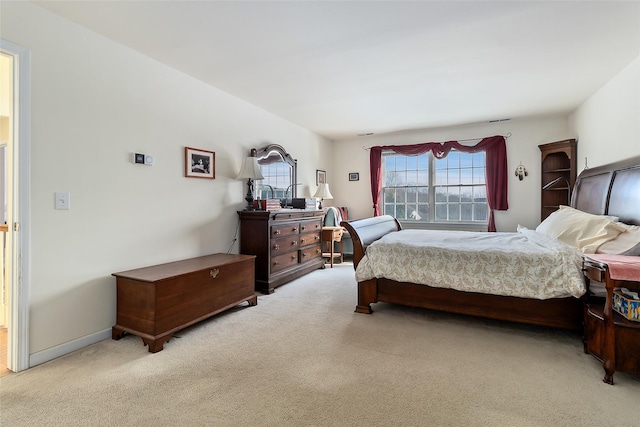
(302,357)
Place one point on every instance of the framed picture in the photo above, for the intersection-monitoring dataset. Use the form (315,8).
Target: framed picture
(321,177)
(199,163)
(354,176)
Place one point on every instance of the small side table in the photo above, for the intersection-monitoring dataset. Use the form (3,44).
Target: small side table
(608,336)
(329,236)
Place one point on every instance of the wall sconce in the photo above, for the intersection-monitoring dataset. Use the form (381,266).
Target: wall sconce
(323,193)
(251,172)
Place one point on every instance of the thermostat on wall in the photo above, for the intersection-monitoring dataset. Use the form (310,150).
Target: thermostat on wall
(142,159)
(138,158)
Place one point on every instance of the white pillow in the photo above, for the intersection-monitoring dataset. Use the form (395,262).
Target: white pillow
(581,230)
(627,243)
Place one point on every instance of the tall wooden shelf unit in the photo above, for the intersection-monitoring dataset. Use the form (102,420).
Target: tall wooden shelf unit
(559,160)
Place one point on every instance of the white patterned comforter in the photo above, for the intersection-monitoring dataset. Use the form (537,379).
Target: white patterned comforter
(524,264)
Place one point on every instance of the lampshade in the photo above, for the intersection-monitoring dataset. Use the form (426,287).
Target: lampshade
(323,192)
(250,169)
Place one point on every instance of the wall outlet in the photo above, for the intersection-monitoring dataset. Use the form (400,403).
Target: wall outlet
(148,160)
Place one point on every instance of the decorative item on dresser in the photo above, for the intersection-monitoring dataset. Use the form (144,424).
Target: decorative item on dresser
(559,166)
(287,244)
(155,302)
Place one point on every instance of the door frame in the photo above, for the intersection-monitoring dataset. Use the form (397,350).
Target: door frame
(19,284)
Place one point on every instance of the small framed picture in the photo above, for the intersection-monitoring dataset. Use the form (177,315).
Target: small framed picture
(354,176)
(321,177)
(199,163)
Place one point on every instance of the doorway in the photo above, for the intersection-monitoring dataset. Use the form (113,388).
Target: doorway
(6,118)
(14,197)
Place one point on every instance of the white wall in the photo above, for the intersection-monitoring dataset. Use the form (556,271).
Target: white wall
(95,102)
(522,146)
(608,123)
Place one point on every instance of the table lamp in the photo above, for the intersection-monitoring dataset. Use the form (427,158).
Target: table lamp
(250,171)
(323,193)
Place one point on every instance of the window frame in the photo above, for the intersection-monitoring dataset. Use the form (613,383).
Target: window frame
(432,222)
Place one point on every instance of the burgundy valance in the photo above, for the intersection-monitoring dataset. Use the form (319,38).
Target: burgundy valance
(495,170)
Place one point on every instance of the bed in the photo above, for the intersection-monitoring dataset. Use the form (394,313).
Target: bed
(610,192)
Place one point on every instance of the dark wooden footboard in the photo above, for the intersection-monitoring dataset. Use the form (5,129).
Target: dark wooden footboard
(363,232)
(564,313)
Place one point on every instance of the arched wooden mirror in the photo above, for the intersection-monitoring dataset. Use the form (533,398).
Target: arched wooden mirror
(280,173)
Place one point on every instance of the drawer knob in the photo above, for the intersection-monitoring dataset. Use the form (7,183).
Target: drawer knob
(318,251)
(317,237)
(304,255)
(294,229)
(213,273)
(278,232)
(304,227)
(293,257)
(276,263)
(276,247)
(294,243)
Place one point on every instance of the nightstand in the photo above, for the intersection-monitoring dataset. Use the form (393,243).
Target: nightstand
(608,336)
(329,236)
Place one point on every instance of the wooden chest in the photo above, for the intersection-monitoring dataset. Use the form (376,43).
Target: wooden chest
(287,244)
(154,302)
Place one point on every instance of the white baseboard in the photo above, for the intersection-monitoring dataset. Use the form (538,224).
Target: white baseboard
(68,347)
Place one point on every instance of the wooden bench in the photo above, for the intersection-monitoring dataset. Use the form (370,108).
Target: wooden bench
(155,302)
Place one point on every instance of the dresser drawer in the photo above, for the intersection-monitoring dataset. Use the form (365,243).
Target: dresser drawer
(309,239)
(284,245)
(280,262)
(308,226)
(310,253)
(288,229)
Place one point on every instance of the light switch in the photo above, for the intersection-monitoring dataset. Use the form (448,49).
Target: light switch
(63,201)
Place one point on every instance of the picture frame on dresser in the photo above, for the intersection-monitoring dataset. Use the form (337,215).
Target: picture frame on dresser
(321,177)
(199,163)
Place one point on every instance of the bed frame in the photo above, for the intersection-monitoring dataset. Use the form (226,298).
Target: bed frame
(605,190)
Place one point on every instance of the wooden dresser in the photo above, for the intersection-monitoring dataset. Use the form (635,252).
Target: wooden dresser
(286,243)
(155,302)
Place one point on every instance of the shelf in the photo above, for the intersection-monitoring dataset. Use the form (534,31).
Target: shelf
(558,161)
(597,311)
(328,254)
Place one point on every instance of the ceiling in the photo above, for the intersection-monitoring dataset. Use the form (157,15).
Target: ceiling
(343,68)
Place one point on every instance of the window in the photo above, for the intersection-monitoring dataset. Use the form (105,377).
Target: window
(426,189)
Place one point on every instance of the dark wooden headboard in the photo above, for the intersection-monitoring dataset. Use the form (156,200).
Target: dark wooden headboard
(612,189)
